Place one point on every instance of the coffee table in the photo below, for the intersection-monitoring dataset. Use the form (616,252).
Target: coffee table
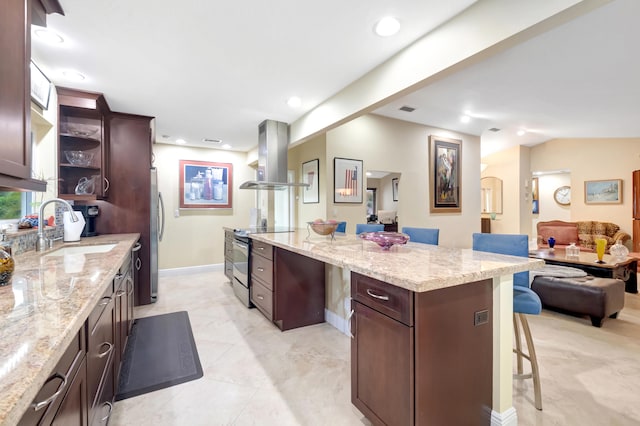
(611,268)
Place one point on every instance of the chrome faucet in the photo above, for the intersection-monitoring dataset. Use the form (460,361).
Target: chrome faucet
(42,243)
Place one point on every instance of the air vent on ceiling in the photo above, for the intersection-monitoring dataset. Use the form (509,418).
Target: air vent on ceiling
(407,108)
(211,140)
(494,129)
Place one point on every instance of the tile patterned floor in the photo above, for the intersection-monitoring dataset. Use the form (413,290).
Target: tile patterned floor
(256,375)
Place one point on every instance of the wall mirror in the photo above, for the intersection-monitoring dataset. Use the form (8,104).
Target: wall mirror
(381,194)
(491,195)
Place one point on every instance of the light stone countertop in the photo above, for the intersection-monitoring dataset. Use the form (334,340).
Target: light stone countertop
(414,266)
(42,310)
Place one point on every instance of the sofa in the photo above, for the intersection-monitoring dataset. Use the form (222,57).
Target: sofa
(583,233)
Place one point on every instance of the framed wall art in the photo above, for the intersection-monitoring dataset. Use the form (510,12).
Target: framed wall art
(347,180)
(445,191)
(310,176)
(394,188)
(205,185)
(603,191)
(40,87)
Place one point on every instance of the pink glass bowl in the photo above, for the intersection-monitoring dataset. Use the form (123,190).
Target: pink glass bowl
(385,239)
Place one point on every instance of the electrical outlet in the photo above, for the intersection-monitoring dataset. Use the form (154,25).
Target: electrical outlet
(176,213)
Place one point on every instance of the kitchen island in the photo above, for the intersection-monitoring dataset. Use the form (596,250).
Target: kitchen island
(420,279)
(44,310)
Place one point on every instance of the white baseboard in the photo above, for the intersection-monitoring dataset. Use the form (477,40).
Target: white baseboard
(337,322)
(191,270)
(506,418)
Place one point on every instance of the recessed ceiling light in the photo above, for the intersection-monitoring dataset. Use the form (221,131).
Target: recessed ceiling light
(180,141)
(48,36)
(294,102)
(387,26)
(226,146)
(73,75)
(465,118)
(521,132)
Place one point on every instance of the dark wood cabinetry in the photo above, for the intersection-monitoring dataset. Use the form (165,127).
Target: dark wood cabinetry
(636,210)
(15,98)
(421,358)
(286,287)
(123,290)
(228,254)
(128,207)
(62,399)
(82,128)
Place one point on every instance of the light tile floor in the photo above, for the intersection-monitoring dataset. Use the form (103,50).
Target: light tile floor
(256,375)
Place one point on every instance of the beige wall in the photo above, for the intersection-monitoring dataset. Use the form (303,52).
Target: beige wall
(592,159)
(387,144)
(314,149)
(196,237)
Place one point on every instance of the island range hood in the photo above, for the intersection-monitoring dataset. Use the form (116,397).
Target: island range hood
(273,144)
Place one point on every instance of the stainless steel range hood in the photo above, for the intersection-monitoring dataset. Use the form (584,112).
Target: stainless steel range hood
(273,144)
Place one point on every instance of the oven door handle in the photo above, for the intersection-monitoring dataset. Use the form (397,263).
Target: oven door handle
(241,245)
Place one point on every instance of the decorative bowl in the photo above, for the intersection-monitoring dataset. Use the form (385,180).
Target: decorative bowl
(384,239)
(323,228)
(6,268)
(79,130)
(79,158)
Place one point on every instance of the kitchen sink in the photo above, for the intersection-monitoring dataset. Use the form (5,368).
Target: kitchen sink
(97,248)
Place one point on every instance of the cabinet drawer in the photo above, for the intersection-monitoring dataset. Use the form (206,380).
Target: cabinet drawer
(67,367)
(99,308)
(100,349)
(396,302)
(263,249)
(263,269)
(262,297)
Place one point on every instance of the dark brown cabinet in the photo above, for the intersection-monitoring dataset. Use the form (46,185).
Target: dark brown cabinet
(15,98)
(421,358)
(228,254)
(636,210)
(128,207)
(62,399)
(286,287)
(83,152)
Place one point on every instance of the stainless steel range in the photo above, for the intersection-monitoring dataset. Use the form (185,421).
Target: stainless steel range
(241,282)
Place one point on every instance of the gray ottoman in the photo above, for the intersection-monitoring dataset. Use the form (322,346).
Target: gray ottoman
(597,297)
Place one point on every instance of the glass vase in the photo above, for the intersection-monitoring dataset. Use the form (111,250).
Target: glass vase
(619,251)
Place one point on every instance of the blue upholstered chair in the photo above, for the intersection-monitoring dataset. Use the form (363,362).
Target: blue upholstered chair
(525,301)
(422,235)
(342,227)
(368,227)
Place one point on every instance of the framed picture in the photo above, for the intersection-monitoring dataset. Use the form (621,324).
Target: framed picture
(394,188)
(311,176)
(445,175)
(603,191)
(535,207)
(347,180)
(205,185)
(40,87)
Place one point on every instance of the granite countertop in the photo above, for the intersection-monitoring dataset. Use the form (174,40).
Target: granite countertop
(416,267)
(42,310)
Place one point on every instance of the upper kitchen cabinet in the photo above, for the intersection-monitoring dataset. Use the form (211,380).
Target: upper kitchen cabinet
(83,145)
(15,87)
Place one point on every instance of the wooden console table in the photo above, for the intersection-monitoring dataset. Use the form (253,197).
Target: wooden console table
(612,268)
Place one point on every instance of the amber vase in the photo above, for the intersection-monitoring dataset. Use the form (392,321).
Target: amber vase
(601,245)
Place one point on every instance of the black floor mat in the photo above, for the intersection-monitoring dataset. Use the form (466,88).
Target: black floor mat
(161,352)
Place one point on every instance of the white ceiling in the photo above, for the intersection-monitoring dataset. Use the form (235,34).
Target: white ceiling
(217,69)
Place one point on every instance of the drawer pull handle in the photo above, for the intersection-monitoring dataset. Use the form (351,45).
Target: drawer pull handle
(129,285)
(110,405)
(260,248)
(349,322)
(109,349)
(120,293)
(105,301)
(260,269)
(40,405)
(261,297)
(377,296)
(137,247)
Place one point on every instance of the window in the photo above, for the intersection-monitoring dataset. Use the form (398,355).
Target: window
(14,205)
(371,201)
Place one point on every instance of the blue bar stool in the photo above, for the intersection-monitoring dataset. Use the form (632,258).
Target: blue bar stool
(525,301)
(342,227)
(368,227)
(422,235)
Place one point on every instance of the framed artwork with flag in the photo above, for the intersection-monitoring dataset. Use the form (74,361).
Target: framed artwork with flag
(347,181)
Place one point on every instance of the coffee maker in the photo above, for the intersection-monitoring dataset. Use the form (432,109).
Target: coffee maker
(90,213)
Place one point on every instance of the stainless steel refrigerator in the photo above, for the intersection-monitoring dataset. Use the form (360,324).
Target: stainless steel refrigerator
(157,230)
